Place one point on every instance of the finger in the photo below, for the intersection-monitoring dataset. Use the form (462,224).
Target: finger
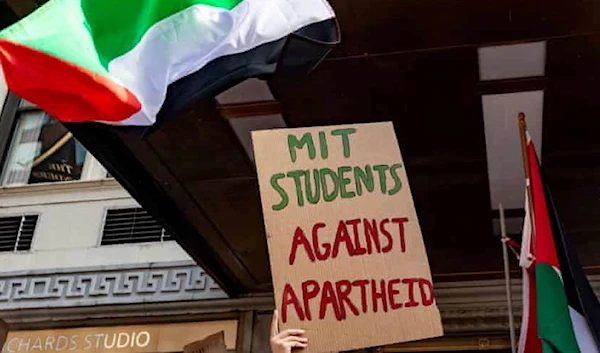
(296,345)
(295,339)
(275,324)
(291,332)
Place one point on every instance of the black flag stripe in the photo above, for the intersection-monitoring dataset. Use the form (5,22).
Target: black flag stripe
(580,294)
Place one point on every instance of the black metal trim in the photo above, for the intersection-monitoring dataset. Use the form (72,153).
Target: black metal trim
(516,85)
(7,124)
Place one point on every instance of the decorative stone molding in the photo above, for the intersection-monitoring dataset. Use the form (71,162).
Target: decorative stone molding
(63,192)
(106,286)
(470,307)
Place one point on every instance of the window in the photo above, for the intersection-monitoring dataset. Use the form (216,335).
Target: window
(41,150)
(16,233)
(131,225)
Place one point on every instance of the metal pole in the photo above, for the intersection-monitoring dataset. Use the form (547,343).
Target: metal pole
(511,320)
(523,134)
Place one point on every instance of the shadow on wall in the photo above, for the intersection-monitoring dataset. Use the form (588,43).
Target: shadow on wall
(3,332)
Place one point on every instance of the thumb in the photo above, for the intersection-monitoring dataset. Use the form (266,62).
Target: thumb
(275,324)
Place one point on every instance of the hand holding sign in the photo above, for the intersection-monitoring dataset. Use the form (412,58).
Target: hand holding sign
(347,255)
(284,342)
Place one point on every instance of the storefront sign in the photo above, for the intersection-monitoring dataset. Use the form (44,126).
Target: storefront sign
(124,339)
(347,255)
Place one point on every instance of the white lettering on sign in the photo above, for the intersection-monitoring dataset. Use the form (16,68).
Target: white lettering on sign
(89,342)
(158,338)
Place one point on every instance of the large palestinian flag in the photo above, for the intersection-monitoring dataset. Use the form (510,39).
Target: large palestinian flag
(566,310)
(120,61)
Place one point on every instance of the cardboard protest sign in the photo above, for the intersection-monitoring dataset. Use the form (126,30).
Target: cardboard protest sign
(347,255)
(211,344)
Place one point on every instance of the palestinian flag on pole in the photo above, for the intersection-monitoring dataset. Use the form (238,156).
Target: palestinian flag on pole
(566,308)
(122,61)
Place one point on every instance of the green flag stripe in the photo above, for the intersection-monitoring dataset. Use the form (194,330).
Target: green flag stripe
(554,320)
(57,29)
(132,18)
(548,348)
(91,33)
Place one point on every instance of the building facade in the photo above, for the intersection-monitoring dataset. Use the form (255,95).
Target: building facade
(85,269)
(82,266)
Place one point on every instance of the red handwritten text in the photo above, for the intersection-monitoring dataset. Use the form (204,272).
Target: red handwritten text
(354,237)
(318,300)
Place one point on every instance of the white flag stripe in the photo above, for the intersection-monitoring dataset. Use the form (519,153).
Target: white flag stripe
(3,88)
(525,319)
(525,262)
(583,334)
(526,258)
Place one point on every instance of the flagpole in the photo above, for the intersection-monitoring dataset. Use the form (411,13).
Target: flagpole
(511,319)
(526,171)
(524,136)
(523,132)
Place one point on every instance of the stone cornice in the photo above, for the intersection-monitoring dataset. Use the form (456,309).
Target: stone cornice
(467,307)
(151,283)
(63,192)
(45,188)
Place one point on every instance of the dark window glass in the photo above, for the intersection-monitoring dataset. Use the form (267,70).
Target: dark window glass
(131,225)
(41,151)
(16,233)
